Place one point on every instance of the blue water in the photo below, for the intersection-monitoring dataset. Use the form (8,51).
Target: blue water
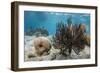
(48,20)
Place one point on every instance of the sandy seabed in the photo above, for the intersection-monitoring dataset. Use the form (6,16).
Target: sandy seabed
(54,53)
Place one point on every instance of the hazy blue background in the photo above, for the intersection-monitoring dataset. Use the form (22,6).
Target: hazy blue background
(49,20)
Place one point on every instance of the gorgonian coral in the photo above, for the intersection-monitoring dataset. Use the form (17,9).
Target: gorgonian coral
(70,37)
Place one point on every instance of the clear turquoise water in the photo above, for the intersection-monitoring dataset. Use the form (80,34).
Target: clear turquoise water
(48,20)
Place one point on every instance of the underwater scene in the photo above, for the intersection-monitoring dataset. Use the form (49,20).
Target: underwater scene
(56,36)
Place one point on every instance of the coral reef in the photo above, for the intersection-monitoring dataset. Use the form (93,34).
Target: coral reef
(69,42)
(40,31)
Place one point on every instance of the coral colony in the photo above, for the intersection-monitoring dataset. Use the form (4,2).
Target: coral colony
(71,37)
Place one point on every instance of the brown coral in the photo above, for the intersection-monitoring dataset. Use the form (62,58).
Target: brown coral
(71,37)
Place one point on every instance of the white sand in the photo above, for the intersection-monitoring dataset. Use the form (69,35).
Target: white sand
(54,53)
